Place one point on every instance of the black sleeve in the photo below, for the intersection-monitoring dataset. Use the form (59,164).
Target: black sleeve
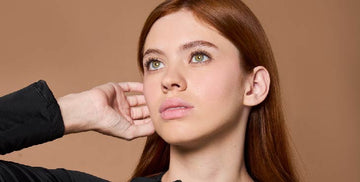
(14,172)
(28,117)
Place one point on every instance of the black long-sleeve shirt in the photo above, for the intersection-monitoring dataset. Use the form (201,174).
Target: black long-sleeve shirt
(29,117)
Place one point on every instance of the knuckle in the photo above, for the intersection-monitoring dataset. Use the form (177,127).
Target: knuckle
(132,113)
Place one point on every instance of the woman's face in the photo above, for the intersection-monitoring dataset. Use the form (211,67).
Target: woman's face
(193,81)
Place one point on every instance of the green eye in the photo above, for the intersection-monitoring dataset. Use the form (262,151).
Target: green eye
(199,57)
(155,65)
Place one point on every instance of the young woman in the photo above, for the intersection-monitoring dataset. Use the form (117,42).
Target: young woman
(211,87)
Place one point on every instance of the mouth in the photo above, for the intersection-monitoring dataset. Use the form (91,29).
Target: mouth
(174,108)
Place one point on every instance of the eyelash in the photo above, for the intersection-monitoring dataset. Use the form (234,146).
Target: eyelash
(148,61)
(202,52)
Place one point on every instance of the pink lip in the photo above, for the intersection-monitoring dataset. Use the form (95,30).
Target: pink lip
(174,108)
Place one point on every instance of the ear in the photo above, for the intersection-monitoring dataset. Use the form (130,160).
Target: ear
(256,86)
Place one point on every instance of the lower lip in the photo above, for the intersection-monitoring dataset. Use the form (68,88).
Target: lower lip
(175,113)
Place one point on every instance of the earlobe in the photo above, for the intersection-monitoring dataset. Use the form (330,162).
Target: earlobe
(257,86)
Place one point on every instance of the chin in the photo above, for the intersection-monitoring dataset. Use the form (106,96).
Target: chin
(180,135)
(172,131)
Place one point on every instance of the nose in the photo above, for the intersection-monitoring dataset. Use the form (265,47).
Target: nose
(173,80)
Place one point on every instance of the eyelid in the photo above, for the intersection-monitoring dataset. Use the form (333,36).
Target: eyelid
(200,51)
(148,61)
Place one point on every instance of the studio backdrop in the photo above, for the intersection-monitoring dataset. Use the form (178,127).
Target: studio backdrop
(77,44)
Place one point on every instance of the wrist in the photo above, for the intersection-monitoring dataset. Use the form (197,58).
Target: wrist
(74,117)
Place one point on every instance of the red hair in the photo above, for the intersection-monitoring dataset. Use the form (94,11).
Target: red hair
(267,155)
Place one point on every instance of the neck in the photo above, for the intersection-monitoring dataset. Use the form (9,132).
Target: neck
(220,159)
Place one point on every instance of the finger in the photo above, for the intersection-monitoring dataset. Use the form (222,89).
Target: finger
(139,112)
(142,121)
(131,86)
(136,100)
(141,130)
(122,104)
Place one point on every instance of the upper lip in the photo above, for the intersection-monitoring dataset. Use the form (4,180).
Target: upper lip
(173,103)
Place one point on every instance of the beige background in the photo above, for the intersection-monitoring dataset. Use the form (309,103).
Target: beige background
(77,44)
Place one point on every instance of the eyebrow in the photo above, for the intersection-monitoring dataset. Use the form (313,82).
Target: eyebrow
(151,51)
(186,46)
(198,43)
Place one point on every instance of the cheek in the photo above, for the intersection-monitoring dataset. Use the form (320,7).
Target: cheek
(219,86)
(151,93)
(217,94)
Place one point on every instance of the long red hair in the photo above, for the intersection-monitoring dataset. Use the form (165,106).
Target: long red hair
(267,155)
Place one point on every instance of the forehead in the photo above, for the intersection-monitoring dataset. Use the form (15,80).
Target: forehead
(178,28)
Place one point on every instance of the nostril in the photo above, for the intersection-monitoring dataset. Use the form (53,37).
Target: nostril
(171,87)
(175,85)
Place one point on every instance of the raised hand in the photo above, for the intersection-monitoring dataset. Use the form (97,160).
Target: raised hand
(108,109)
